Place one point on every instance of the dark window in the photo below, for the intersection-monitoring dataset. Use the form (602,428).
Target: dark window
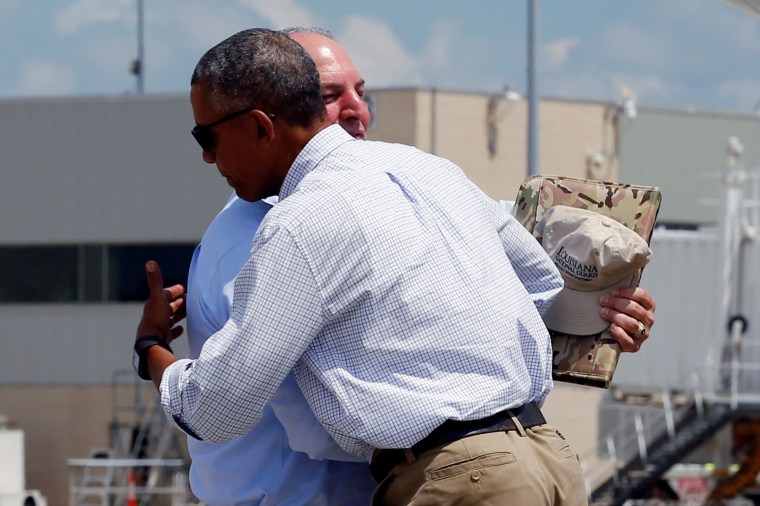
(38,274)
(93,281)
(87,273)
(126,268)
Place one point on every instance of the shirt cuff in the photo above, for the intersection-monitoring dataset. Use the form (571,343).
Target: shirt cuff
(171,390)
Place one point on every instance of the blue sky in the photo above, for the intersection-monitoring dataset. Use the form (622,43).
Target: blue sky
(703,54)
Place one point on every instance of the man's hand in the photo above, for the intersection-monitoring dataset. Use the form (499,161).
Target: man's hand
(164,308)
(630,312)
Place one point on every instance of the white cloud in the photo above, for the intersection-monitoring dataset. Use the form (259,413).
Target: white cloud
(282,13)
(605,86)
(553,55)
(177,37)
(681,39)
(83,13)
(199,25)
(8,8)
(45,78)
(111,56)
(623,45)
(684,55)
(439,45)
(575,85)
(645,87)
(378,53)
(743,95)
(202,25)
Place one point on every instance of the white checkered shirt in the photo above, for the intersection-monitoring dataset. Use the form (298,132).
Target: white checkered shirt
(398,292)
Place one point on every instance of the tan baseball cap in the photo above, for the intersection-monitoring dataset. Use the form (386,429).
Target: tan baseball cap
(594,254)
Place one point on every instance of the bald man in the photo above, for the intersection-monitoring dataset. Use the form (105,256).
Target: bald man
(342,85)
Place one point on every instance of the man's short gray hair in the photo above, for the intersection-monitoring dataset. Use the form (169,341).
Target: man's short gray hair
(310,29)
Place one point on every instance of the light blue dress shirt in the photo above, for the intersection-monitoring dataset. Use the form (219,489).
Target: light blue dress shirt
(398,292)
(259,467)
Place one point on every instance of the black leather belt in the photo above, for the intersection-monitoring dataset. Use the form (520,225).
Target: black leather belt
(529,415)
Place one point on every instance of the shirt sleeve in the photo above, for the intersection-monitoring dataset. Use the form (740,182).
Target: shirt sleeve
(277,311)
(532,265)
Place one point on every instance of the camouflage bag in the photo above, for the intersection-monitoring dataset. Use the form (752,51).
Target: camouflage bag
(588,360)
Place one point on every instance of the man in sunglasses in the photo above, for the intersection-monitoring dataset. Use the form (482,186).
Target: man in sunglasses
(342,93)
(270,465)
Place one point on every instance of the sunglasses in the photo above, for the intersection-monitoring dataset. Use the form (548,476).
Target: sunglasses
(202,133)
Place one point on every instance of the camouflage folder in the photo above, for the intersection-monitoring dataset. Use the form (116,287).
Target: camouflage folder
(588,360)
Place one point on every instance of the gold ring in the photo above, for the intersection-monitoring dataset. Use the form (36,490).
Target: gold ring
(642,329)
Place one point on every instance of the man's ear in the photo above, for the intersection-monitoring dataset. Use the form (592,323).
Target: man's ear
(264,126)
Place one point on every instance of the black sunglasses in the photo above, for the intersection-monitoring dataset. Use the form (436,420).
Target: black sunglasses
(202,133)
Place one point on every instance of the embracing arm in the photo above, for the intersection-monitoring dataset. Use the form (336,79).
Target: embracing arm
(530,262)
(624,309)
(221,395)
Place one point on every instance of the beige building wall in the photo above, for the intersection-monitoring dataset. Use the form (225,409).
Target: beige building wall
(573,134)
(59,422)
(62,422)
(458,126)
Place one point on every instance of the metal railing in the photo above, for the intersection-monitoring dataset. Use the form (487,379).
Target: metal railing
(145,464)
(732,381)
(106,481)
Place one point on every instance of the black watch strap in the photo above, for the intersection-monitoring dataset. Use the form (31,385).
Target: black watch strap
(141,349)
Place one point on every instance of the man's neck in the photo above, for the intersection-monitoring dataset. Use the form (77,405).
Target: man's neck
(292,140)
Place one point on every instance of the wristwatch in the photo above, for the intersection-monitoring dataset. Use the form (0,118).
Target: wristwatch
(141,349)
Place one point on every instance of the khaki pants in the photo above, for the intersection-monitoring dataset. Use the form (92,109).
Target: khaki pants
(534,467)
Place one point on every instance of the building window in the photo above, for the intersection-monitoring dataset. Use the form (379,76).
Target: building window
(87,273)
(126,268)
(38,274)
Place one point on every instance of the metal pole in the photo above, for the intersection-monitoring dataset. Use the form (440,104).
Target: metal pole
(699,401)
(613,456)
(532,86)
(640,437)
(667,405)
(433,120)
(140,49)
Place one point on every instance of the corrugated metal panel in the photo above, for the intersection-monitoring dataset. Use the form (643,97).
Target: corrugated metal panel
(104,170)
(683,152)
(68,344)
(685,279)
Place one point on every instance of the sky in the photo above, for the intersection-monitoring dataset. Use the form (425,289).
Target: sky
(700,54)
